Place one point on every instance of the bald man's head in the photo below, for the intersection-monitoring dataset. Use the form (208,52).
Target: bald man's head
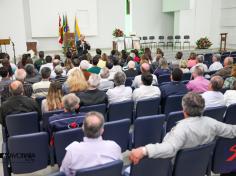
(16,88)
(145,68)
(228,61)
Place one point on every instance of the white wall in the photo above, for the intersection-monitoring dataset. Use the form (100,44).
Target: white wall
(148,18)
(12,25)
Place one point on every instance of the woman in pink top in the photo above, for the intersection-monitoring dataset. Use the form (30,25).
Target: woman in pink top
(192,60)
(136,56)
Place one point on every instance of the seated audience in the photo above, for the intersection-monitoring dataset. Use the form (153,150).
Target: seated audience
(178,58)
(48,64)
(40,89)
(84,66)
(98,51)
(226,71)
(216,64)
(131,72)
(192,60)
(39,62)
(136,57)
(120,92)
(163,69)
(17,103)
(213,97)
(193,131)
(148,55)
(5,81)
(199,84)
(75,82)
(32,75)
(183,66)
(103,60)
(105,83)
(230,95)
(53,100)
(55,63)
(176,87)
(21,64)
(145,68)
(93,150)
(68,65)
(159,56)
(6,56)
(199,62)
(92,95)
(230,80)
(20,75)
(59,77)
(146,90)
(95,69)
(116,68)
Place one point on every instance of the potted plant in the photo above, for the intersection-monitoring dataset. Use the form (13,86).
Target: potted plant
(203,43)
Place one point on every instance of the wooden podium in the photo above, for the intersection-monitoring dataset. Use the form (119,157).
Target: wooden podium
(32,45)
(223,39)
(69,42)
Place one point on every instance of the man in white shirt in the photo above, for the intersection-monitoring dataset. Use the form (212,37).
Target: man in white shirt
(213,97)
(146,90)
(230,95)
(120,92)
(48,64)
(193,131)
(93,150)
(199,61)
(145,68)
(216,65)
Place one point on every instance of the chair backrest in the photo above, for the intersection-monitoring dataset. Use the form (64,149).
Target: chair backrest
(31,152)
(173,103)
(121,110)
(186,37)
(23,123)
(57,174)
(177,37)
(112,169)
(63,138)
(147,107)
(215,112)
(99,108)
(145,37)
(151,37)
(161,37)
(46,116)
(148,130)
(151,167)
(170,37)
(118,131)
(173,118)
(186,76)
(230,114)
(194,160)
(164,78)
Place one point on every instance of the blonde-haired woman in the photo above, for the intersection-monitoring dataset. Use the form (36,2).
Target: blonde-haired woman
(76,82)
(53,100)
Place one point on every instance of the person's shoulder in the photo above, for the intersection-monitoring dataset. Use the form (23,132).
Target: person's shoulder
(110,143)
(73,146)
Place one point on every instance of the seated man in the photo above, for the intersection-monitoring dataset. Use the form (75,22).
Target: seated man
(199,61)
(105,83)
(95,69)
(213,97)
(193,131)
(146,91)
(216,65)
(131,72)
(92,95)
(70,118)
(17,103)
(93,150)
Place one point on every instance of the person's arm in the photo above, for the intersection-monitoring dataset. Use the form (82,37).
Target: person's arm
(223,129)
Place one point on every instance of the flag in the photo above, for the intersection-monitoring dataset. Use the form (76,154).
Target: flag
(60,40)
(77,30)
(66,26)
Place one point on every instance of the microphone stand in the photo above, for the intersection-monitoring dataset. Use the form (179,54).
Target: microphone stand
(14,51)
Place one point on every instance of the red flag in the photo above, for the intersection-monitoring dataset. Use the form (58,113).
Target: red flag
(60,40)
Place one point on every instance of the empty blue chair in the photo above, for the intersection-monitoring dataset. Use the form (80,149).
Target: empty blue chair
(186,76)
(173,118)
(193,161)
(148,107)
(224,160)
(173,103)
(31,150)
(110,169)
(121,110)
(46,116)
(23,123)
(63,138)
(118,131)
(57,174)
(164,78)
(215,112)
(99,108)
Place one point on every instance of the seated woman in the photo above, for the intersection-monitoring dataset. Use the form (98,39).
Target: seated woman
(163,70)
(53,100)
(183,66)
(192,60)
(229,81)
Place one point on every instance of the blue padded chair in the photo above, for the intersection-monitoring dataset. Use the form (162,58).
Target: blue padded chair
(173,103)
(99,108)
(57,174)
(186,76)
(34,150)
(215,112)
(110,169)
(63,138)
(121,110)
(223,160)
(173,118)
(118,131)
(148,107)
(193,161)
(39,100)
(46,116)
(148,130)
(129,81)
(23,123)
(164,78)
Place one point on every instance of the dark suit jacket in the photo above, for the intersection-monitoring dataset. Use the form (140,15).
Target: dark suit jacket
(131,73)
(173,88)
(82,48)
